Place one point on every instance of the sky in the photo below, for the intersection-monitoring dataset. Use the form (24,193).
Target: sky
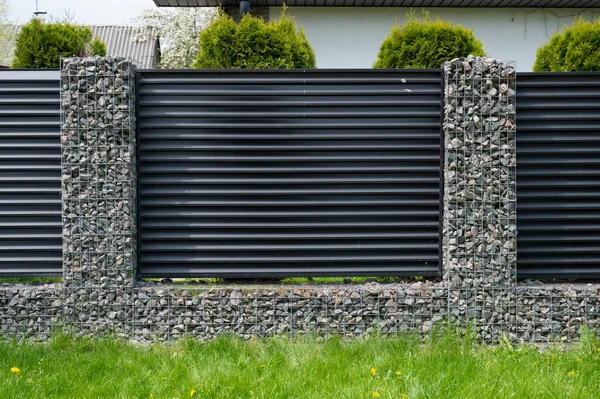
(88,12)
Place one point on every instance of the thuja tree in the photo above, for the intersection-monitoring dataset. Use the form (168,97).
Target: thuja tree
(254,43)
(426,43)
(576,48)
(41,45)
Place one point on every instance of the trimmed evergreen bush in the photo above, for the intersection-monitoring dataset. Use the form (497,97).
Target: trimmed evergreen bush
(41,45)
(254,43)
(426,44)
(98,47)
(576,48)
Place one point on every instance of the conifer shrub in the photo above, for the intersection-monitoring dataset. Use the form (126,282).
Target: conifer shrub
(255,44)
(426,43)
(41,45)
(98,47)
(576,48)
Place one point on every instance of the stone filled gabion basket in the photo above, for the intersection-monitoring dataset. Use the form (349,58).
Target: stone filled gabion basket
(480,190)
(32,312)
(165,313)
(98,180)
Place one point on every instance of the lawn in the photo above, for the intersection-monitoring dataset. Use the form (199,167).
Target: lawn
(280,367)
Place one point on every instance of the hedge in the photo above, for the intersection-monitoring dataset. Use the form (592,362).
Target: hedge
(41,45)
(577,48)
(426,44)
(254,43)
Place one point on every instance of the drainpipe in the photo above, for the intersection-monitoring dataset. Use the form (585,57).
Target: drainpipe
(244,7)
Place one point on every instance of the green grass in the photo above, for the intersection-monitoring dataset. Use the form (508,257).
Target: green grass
(31,280)
(296,280)
(447,367)
(346,280)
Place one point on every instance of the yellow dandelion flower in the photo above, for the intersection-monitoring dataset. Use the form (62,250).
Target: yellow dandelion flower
(376,395)
(164,378)
(15,370)
(490,363)
(535,363)
(571,373)
(404,396)
(192,393)
(598,349)
(373,371)
(151,396)
(398,372)
(578,359)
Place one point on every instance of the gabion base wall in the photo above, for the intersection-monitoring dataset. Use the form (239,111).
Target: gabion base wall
(151,312)
(33,312)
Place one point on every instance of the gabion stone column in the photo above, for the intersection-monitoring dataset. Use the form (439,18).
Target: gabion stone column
(98,172)
(479,234)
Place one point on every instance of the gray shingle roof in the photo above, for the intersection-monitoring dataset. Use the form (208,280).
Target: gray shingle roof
(139,43)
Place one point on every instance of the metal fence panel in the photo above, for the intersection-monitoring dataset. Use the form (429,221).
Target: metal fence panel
(289,173)
(558,175)
(30,204)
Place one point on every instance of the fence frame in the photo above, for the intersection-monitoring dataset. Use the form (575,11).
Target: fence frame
(414,82)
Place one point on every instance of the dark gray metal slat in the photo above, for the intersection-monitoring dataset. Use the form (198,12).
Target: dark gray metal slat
(558,179)
(30,205)
(243,172)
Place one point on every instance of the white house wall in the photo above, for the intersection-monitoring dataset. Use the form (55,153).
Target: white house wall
(350,37)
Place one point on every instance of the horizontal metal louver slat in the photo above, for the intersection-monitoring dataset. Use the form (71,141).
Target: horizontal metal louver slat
(558,175)
(289,173)
(30,203)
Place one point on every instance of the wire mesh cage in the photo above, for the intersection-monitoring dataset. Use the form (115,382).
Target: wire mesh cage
(98,171)
(480,191)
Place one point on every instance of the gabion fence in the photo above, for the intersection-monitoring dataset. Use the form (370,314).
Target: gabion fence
(99,294)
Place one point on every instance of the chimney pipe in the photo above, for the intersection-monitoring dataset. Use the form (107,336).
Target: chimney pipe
(244,7)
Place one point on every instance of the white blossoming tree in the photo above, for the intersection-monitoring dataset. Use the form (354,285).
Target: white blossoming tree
(6,34)
(179,31)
